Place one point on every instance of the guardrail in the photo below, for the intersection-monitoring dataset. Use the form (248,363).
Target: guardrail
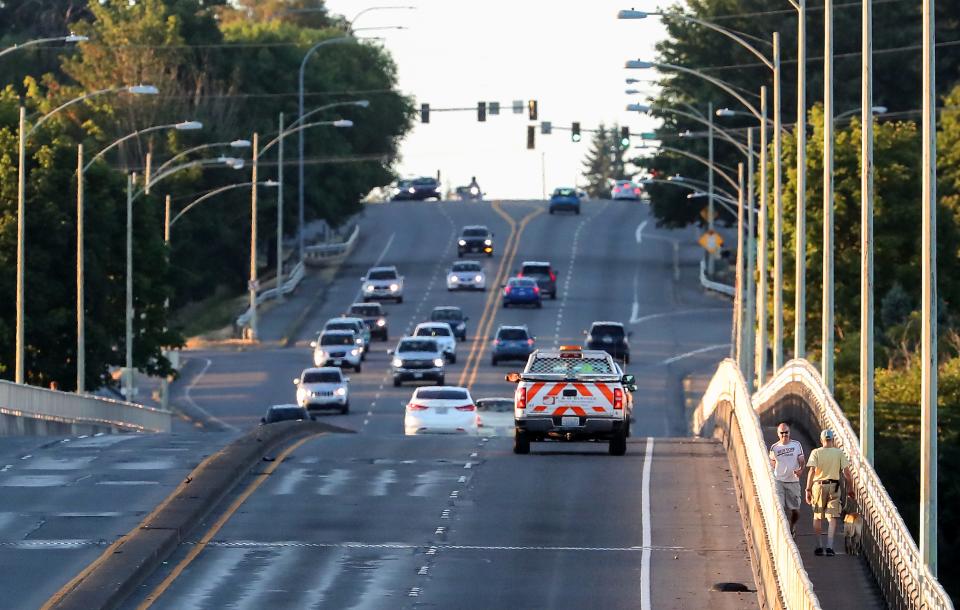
(709,284)
(726,411)
(18,400)
(797,392)
(296,276)
(325,254)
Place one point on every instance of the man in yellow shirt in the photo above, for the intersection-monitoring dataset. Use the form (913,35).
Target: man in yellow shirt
(823,488)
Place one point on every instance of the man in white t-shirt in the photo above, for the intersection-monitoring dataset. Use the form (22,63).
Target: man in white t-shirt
(787,460)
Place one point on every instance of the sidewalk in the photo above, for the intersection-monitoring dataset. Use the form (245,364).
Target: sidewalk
(280,322)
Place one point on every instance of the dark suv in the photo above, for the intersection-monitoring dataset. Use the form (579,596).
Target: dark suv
(545,275)
(475,238)
(373,316)
(452,316)
(611,338)
(512,343)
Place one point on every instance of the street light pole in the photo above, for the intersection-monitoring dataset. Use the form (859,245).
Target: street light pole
(21,237)
(777,212)
(710,259)
(762,248)
(81,338)
(750,289)
(826,338)
(738,309)
(866,238)
(280,210)
(128,372)
(252,284)
(800,266)
(928,314)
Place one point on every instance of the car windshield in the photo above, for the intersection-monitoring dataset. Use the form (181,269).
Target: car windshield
(338,339)
(340,326)
(417,346)
(433,331)
(474,232)
(284,414)
(431,394)
(512,334)
(446,314)
(536,270)
(367,311)
(495,405)
(321,377)
(564,193)
(382,274)
(471,266)
(623,183)
(522,281)
(607,330)
(425,182)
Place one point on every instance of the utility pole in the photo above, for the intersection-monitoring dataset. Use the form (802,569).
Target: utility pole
(710,258)
(751,289)
(777,212)
(762,248)
(800,268)
(81,339)
(21,236)
(741,332)
(253,241)
(866,238)
(128,376)
(279,210)
(826,336)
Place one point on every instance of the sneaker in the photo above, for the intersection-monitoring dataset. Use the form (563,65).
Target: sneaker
(818,551)
(830,552)
(793,530)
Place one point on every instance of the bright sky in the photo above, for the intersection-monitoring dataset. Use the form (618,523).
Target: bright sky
(568,56)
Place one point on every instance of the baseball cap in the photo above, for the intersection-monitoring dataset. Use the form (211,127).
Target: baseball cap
(827,435)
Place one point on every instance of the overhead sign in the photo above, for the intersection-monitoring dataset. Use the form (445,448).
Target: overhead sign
(546,127)
(518,106)
(493,107)
(711,241)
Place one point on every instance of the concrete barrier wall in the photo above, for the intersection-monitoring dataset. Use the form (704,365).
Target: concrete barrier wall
(28,409)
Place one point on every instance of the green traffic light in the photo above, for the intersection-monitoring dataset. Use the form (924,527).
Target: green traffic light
(575,137)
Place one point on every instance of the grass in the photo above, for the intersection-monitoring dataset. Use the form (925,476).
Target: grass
(213,315)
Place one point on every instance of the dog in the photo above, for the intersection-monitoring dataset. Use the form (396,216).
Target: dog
(852,533)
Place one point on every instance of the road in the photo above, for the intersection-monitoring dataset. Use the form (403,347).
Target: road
(379,520)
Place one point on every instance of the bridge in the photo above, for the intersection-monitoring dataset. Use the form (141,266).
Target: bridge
(349,513)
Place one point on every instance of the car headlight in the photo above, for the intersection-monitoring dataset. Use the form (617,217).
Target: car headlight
(359,341)
(462,242)
(488,242)
(478,278)
(411,190)
(320,354)
(397,362)
(381,322)
(368,287)
(454,278)
(340,391)
(438,362)
(354,352)
(475,191)
(394,287)
(302,394)
(460,325)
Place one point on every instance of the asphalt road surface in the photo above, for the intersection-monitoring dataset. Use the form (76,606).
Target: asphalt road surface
(380,520)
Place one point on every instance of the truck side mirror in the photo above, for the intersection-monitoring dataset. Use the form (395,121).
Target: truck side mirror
(628,380)
(631,387)
(313,344)
(513,377)
(296,381)
(263,420)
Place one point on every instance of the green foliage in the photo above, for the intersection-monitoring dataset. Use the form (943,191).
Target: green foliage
(605,162)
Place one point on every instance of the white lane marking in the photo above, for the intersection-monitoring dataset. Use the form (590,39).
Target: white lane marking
(640,228)
(186,396)
(695,352)
(423,570)
(6,468)
(289,481)
(635,319)
(333,481)
(645,516)
(382,482)
(434,549)
(126,483)
(462,479)
(26,457)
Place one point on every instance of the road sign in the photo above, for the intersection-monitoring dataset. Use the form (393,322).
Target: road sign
(493,107)
(705,214)
(253,285)
(648,135)
(546,127)
(711,241)
(518,106)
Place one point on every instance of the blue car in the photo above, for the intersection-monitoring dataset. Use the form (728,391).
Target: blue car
(565,199)
(512,343)
(521,291)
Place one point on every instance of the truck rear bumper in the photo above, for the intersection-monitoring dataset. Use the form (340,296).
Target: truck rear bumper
(590,427)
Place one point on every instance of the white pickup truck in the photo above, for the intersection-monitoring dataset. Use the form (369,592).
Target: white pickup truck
(572,394)
(382,283)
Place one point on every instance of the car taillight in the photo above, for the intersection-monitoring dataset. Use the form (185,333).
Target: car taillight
(520,274)
(553,276)
(467,408)
(536,290)
(496,341)
(416,407)
(506,290)
(529,341)
(617,398)
(522,398)
(637,190)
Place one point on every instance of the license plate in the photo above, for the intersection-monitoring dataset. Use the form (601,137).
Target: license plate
(418,375)
(570,421)
(337,362)
(442,410)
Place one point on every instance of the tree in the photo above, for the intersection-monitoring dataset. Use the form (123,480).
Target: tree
(605,162)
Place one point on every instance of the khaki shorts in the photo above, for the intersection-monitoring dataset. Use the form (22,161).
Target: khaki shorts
(789,494)
(826,500)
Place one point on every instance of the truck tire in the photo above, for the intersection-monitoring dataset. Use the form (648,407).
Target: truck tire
(618,443)
(521,443)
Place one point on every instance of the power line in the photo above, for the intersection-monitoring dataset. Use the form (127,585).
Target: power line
(790,11)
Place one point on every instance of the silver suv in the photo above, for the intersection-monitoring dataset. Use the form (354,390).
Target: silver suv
(337,348)
(382,283)
(323,388)
(417,359)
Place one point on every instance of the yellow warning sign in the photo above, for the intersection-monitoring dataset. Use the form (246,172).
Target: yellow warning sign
(711,241)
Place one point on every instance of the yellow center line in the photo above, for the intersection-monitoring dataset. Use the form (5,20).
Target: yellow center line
(491,318)
(491,294)
(199,547)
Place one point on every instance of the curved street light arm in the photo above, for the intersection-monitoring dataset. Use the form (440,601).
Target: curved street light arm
(691,187)
(31,43)
(328,106)
(197,163)
(116,143)
(712,166)
(180,155)
(67,104)
(703,121)
(216,191)
(287,132)
(378,8)
(716,81)
(724,31)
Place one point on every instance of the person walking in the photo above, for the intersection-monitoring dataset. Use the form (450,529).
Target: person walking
(787,460)
(826,464)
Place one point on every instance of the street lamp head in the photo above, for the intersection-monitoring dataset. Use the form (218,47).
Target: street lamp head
(675,178)
(343,123)
(75,38)
(270,183)
(363,103)
(638,108)
(188,126)
(240,144)
(231,162)
(142,90)
(696,194)
(636,64)
(686,134)
(725,112)
(631,14)
(879,109)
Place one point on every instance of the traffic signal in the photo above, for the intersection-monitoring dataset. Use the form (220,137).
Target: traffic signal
(546,127)
(531,135)
(424,113)
(575,132)
(532,109)
(494,107)
(624,137)
(481,111)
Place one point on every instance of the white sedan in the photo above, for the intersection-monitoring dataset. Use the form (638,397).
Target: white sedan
(466,275)
(441,409)
(443,333)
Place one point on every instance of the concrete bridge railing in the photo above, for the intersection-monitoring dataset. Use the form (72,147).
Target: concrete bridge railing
(797,393)
(726,412)
(28,409)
